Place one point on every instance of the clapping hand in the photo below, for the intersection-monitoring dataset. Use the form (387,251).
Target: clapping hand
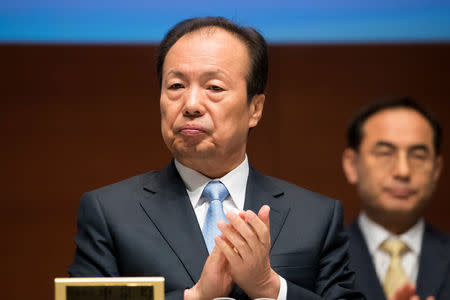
(407,292)
(245,243)
(215,280)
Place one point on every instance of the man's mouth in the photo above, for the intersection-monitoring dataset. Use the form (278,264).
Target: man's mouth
(192,130)
(400,192)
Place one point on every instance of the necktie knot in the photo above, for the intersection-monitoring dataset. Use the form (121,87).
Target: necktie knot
(395,274)
(395,248)
(215,190)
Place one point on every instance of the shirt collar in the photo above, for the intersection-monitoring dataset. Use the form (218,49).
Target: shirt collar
(235,181)
(378,234)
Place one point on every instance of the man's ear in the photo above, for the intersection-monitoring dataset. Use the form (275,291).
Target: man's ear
(438,164)
(349,158)
(256,109)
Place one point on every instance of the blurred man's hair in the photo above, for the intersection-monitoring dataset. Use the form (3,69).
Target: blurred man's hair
(355,129)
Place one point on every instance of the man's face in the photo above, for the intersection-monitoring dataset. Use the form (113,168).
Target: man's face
(205,116)
(396,168)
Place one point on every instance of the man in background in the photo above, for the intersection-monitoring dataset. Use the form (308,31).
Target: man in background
(393,158)
(209,222)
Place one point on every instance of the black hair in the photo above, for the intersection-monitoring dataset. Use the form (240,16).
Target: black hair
(355,129)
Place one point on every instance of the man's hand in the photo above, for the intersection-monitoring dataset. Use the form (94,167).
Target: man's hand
(215,280)
(407,292)
(245,243)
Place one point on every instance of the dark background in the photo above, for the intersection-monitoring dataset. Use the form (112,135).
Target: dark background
(74,118)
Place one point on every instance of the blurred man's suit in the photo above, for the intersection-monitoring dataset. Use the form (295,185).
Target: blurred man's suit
(434,265)
(146,226)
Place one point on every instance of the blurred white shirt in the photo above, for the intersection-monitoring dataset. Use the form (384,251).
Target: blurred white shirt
(374,235)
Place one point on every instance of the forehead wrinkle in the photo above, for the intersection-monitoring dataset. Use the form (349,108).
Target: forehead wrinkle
(214,74)
(209,32)
(219,74)
(193,65)
(399,125)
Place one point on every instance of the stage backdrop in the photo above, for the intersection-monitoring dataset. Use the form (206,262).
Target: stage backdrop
(281,21)
(76,117)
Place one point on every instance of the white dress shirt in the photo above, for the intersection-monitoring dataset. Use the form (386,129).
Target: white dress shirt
(236,183)
(375,235)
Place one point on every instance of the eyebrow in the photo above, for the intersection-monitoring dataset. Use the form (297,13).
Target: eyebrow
(419,147)
(176,74)
(410,148)
(385,144)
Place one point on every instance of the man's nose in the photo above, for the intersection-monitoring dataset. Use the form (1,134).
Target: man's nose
(193,105)
(402,169)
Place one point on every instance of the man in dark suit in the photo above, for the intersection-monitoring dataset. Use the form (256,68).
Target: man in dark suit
(393,157)
(168,222)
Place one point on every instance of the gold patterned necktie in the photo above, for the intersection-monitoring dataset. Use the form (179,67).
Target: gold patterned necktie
(395,274)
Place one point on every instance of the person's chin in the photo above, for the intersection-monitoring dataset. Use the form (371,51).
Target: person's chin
(191,142)
(192,148)
(400,207)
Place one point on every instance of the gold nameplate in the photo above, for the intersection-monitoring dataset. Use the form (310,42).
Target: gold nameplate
(109,288)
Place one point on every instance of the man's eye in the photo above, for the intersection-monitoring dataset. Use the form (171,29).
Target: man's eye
(175,86)
(215,88)
(383,153)
(419,155)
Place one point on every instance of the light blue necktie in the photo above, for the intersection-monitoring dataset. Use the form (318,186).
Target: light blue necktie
(215,192)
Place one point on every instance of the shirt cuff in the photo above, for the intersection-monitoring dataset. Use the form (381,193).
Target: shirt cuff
(282,294)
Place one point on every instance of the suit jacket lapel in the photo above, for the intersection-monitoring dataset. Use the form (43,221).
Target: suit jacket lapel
(260,191)
(168,206)
(434,263)
(361,262)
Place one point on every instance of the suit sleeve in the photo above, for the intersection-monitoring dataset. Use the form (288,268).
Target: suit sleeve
(334,280)
(95,254)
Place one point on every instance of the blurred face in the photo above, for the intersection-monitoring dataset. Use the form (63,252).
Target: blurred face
(396,168)
(205,116)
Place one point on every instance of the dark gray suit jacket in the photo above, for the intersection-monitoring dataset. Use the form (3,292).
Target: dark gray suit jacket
(434,265)
(146,226)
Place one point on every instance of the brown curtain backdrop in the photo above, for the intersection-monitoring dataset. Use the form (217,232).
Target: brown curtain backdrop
(74,118)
